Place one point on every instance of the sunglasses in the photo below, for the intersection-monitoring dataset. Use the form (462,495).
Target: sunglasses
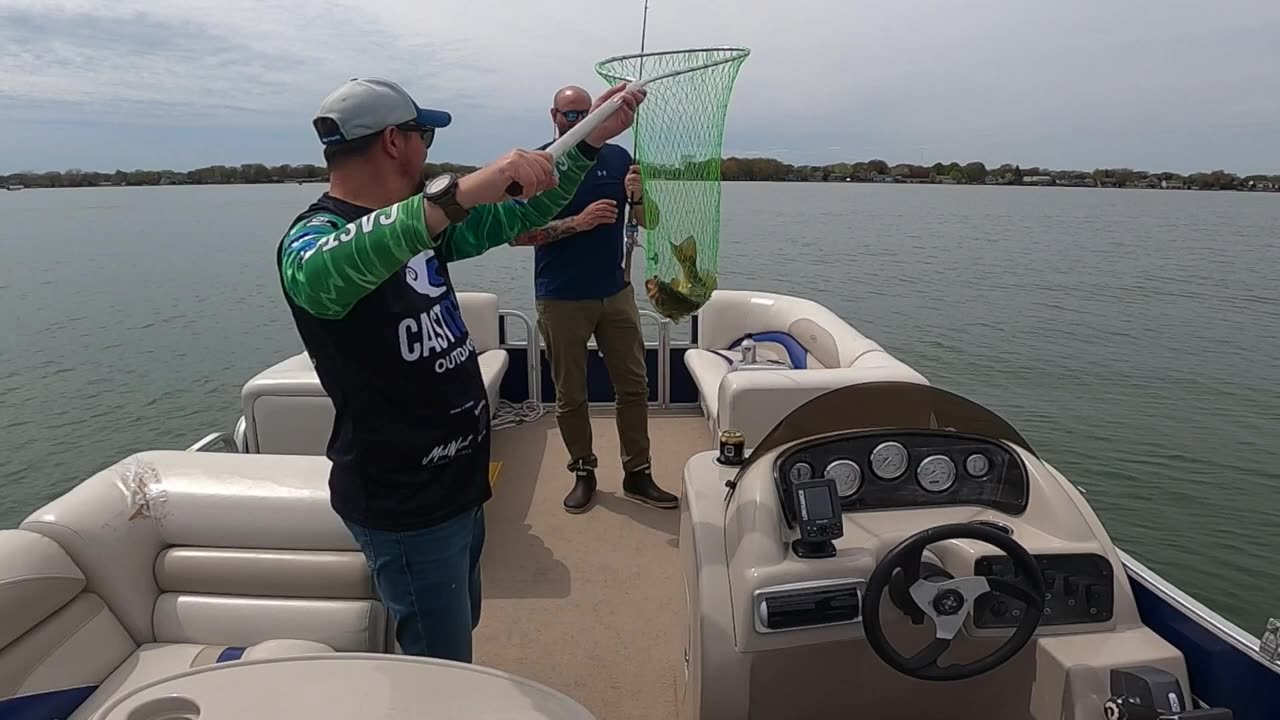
(428,133)
(573,115)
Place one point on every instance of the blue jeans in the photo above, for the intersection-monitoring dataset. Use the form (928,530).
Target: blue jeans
(429,580)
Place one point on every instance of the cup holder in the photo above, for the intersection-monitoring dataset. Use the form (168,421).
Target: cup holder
(994,525)
(169,707)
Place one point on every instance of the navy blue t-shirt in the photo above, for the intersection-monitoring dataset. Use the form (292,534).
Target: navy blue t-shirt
(588,265)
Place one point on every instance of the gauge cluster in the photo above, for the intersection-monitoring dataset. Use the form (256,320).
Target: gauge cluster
(907,469)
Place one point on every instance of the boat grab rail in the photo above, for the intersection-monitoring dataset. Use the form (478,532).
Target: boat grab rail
(241,434)
(533,358)
(533,354)
(215,439)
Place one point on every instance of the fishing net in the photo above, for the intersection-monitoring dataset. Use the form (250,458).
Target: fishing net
(678,134)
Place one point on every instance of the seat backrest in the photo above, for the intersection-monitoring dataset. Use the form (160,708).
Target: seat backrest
(754,402)
(57,642)
(286,410)
(829,341)
(480,315)
(220,549)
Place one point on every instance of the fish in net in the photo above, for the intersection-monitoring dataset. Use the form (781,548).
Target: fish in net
(678,134)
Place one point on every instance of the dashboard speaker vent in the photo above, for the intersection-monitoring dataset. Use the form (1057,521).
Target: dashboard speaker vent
(808,605)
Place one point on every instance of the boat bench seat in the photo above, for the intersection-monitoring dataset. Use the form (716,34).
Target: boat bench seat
(803,350)
(169,560)
(286,410)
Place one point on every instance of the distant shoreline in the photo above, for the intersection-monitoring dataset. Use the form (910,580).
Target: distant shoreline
(732,169)
(985,185)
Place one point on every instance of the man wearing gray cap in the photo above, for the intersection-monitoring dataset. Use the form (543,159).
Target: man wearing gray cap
(365,273)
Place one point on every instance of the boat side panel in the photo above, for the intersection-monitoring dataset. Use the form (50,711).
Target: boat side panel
(683,389)
(1222,675)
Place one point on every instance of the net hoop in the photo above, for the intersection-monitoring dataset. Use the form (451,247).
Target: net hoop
(737,54)
(677,137)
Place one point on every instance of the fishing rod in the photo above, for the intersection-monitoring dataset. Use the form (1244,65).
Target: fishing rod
(631,230)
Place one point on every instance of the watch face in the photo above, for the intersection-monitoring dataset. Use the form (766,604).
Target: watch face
(438,183)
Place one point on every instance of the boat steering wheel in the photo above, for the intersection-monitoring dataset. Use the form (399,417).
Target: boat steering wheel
(948,603)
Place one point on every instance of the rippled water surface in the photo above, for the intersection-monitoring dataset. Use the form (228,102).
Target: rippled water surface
(1132,336)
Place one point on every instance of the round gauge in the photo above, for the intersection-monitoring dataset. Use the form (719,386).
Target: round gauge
(936,473)
(977,465)
(800,472)
(847,476)
(889,460)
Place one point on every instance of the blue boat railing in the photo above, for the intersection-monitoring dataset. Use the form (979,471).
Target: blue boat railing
(1225,663)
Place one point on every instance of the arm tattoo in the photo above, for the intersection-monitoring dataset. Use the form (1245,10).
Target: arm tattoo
(550,232)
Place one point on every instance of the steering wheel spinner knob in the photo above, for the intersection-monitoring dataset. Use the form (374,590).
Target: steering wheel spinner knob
(948,602)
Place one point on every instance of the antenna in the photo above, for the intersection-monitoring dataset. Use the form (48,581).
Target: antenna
(644,27)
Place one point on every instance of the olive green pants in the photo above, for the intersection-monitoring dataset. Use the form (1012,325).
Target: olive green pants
(566,326)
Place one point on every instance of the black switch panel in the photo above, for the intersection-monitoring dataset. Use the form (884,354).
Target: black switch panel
(1080,589)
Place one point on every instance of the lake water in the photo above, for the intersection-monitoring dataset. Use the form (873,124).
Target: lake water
(1132,336)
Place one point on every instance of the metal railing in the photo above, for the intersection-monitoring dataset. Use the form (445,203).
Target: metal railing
(533,353)
(533,356)
(664,362)
(216,439)
(241,434)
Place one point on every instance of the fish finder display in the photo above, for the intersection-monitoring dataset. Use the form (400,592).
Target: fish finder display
(820,519)
(815,504)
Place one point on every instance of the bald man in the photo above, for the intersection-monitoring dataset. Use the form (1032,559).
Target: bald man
(583,289)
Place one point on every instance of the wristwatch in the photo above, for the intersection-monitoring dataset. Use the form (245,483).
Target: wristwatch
(442,191)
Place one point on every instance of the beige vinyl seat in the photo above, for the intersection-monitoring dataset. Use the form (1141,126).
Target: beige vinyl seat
(803,350)
(170,560)
(286,411)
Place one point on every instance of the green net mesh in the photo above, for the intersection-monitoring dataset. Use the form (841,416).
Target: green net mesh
(678,133)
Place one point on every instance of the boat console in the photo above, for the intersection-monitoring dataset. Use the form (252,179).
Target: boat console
(898,549)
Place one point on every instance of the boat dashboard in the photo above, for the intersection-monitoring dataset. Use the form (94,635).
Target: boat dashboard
(921,469)
(910,470)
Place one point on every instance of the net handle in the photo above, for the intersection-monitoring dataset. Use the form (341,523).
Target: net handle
(592,121)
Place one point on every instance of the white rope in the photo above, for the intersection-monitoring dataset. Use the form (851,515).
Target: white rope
(510,414)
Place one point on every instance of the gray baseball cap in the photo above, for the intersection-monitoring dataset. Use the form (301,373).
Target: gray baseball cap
(363,106)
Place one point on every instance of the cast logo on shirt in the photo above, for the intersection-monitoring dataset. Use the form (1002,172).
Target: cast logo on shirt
(423,274)
(438,335)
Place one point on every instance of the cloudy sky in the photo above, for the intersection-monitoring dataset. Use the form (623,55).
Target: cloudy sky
(1152,84)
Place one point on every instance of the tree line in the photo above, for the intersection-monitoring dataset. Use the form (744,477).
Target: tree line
(731,169)
(772,169)
(249,173)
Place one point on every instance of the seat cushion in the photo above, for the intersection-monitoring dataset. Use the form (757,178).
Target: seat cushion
(36,579)
(708,368)
(344,625)
(56,665)
(157,660)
